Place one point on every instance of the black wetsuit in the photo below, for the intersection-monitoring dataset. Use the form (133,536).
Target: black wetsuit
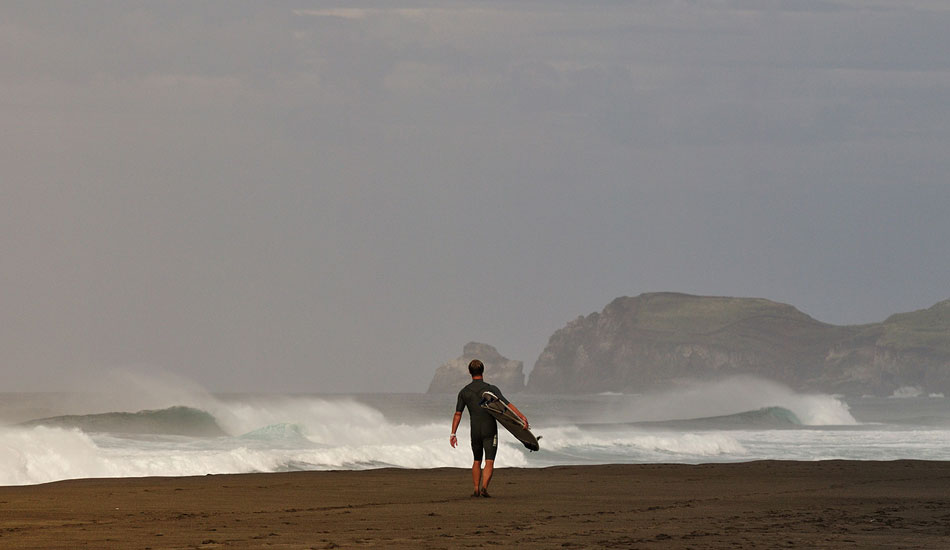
(484,427)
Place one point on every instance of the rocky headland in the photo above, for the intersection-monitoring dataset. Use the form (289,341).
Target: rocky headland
(657,340)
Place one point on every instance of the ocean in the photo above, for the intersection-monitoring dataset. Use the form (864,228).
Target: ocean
(182,432)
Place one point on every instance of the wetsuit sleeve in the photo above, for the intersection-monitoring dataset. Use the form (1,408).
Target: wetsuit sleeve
(460,404)
(497,392)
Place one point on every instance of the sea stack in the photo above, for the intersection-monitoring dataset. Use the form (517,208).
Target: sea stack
(505,373)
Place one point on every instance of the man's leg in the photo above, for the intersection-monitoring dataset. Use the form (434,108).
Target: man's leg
(476,474)
(491,446)
(486,474)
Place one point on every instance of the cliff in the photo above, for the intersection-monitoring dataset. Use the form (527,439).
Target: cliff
(656,340)
(508,375)
(906,350)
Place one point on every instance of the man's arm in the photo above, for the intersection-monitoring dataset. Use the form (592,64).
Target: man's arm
(510,405)
(453,441)
(521,416)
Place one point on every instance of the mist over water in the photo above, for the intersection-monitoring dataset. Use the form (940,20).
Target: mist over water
(738,419)
(731,396)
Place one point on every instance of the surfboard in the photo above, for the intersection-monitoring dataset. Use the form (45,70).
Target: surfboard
(507,418)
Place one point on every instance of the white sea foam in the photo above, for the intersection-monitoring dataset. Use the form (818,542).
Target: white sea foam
(633,443)
(38,455)
(279,434)
(276,433)
(907,392)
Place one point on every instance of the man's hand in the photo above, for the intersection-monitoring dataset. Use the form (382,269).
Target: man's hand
(455,424)
(524,419)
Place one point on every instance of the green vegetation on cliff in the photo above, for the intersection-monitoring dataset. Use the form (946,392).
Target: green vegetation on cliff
(682,313)
(659,339)
(926,330)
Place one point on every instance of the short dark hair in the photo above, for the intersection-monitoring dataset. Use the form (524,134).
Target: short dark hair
(476,367)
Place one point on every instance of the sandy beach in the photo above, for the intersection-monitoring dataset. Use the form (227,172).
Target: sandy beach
(834,504)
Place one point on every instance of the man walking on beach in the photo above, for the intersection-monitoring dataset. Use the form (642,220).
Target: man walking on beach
(484,427)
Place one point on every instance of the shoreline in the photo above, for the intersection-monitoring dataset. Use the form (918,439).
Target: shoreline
(763,504)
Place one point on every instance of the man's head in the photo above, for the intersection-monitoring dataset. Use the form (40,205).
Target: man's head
(476,368)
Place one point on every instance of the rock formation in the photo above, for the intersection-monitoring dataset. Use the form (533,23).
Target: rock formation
(908,350)
(508,375)
(656,340)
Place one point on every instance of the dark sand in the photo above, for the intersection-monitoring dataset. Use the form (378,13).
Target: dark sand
(837,504)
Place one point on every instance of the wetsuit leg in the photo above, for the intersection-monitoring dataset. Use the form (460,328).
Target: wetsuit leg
(491,446)
(485,444)
(477,449)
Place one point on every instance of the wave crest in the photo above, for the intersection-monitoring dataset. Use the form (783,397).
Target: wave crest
(176,420)
(735,396)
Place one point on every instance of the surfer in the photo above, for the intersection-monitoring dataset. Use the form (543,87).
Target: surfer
(484,427)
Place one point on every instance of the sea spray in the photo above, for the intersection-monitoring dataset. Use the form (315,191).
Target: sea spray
(323,419)
(279,434)
(41,454)
(176,420)
(345,433)
(727,397)
(269,433)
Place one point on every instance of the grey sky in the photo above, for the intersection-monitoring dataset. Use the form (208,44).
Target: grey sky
(309,196)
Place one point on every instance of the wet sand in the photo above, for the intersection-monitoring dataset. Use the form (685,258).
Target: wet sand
(835,504)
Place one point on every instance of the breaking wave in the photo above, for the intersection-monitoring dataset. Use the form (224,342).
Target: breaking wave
(193,433)
(767,417)
(282,432)
(270,434)
(176,420)
(746,397)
